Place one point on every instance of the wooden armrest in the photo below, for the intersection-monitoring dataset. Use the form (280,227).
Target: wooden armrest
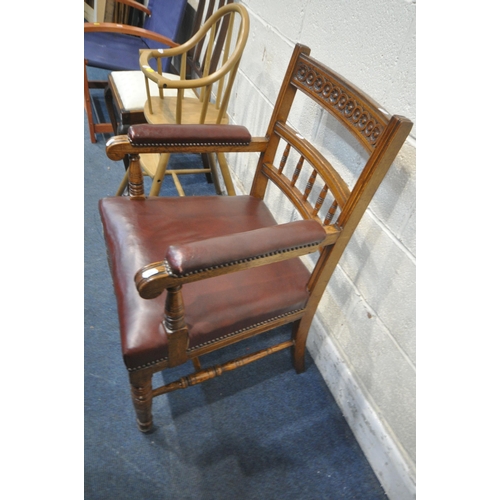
(226,254)
(166,135)
(126,29)
(146,138)
(223,251)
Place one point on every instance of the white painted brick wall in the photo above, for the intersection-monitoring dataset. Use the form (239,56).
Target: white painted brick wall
(364,338)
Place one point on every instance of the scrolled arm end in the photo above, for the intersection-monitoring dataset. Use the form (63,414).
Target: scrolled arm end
(151,280)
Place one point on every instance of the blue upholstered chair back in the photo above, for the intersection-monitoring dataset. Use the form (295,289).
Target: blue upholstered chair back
(166,19)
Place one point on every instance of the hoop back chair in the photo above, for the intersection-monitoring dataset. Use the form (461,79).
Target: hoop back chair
(127,92)
(115,46)
(196,274)
(209,63)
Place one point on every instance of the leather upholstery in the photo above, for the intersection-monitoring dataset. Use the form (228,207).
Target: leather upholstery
(250,245)
(139,232)
(146,134)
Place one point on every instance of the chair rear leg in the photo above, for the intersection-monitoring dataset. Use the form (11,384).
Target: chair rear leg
(226,174)
(88,105)
(299,335)
(142,398)
(108,99)
(211,163)
(206,164)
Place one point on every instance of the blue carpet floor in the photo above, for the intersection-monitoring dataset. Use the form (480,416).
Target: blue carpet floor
(260,432)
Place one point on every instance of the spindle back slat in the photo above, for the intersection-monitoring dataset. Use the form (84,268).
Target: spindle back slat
(298,169)
(331,213)
(320,200)
(310,165)
(284,158)
(310,184)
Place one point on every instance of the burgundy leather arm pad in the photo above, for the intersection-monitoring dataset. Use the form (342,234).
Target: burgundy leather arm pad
(202,255)
(159,135)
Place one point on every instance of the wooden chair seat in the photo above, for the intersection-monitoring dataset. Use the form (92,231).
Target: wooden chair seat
(164,111)
(268,293)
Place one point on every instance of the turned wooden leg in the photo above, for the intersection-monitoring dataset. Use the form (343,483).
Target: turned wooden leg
(142,398)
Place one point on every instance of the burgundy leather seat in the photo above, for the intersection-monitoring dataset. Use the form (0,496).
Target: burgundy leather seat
(215,308)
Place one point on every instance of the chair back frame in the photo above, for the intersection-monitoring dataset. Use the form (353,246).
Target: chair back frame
(195,57)
(373,128)
(219,38)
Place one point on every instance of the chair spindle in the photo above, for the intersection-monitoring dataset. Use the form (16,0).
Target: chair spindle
(284,158)
(297,171)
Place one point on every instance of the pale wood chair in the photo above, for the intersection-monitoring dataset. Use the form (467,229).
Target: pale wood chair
(196,274)
(199,95)
(126,92)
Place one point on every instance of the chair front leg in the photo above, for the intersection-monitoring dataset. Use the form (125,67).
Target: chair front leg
(142,397)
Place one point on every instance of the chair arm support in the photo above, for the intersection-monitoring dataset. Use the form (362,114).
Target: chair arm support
(225,254)
(126,29)
(142,139)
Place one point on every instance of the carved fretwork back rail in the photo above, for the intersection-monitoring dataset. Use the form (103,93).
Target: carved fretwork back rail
(364,119)
(357,111)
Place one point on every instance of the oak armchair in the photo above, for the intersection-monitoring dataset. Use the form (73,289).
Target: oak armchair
(195,274)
